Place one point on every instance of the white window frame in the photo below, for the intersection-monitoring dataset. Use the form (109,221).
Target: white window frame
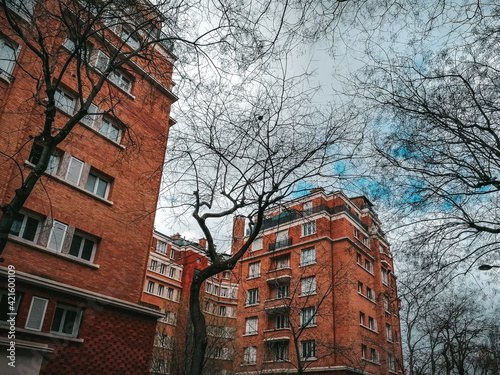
(130,39)
(41,310)
(309,228)
(388,332)
(64,227)
(65,101)
(161,247)
(79,169)
(372,323)
(9,51)
(308,347)
(150,287)
(305,256)
(385,276)
(252,296)
(108,129)
(82,245)
(281,321)
(257,244)
(307,207)
(153,264)
(76,325)
(172,253)
(159,290)
(22,229)
(97,181)
(370,293)
(282,291)
(391,360)
(121,80)
(250,355)
(306,314)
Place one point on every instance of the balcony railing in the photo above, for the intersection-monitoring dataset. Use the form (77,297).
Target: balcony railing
(288,216)
(279,244)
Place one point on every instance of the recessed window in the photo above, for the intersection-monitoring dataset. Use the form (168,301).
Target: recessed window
(82,247)
(222,310)
(161,247)
(9,303)
(92,115)
(368,265)
(279,350)
(308,317)
(151,287)
(253,296)
(309,228)
(250,355)
(362,318)
(66,320)
(8,57)
(97,185)
(388,332)
(280,262)
(282,291)
(121,80)
(35,155)
(153,265)
(130,38)
(25,227)
(64,101)
(110,130)
(374,355)
(308,286)
(307,256)
(160,289)
(308,349)
(385,278)
(281,321)
(372,323)
(163,269)
(307,208)
(251,325)
(254,270)
(364,351)
(172,254)
(392,363)
(370,294)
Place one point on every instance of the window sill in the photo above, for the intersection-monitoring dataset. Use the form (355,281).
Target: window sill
(81,190)
(308,294)
(368,328)
(276,329)
(252,304)
(249,364)
(370,272)
(53,252)
(372,362)
(307,235)
(250,334)
(44,334)
(253,277)
(309,326)
(6,77)
(279,269)
(369,299)
(309,359)
(96,132)
(307,264)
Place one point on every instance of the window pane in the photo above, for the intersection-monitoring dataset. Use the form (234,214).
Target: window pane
(74,171)
(76,244)
(15,229)
(30,229)
(91,181)
(101,188)
(56,322)
(57,235)
(69,322)
(114,133)
(88,247)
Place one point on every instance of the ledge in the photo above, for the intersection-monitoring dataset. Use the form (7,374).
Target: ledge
(53,336)
(34,246)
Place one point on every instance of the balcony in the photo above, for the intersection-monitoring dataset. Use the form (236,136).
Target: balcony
(280,244)
(291,215)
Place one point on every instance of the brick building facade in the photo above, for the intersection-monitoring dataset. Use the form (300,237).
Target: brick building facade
(172,262)
(317,291)
(79,247)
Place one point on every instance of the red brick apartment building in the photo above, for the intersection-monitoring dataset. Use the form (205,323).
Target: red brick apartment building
(80,245)
(172,262)
(317,291)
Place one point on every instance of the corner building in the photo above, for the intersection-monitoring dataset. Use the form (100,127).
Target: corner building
(318,291)
(80,244)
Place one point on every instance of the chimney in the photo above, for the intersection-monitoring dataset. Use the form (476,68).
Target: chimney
(203,243)
(238,232)
(175,236)
(316,189)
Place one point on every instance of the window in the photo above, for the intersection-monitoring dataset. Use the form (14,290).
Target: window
(66,320)
(279,350)
(160,289)
(163,269)
(281,321)
(172,272)
(282,291)
(74,172)
(307,208)
(91,117)
(25,227)
(161,247)
(153,265)
(280,262)
(370,294)
(356,233)
(172,254)
(374,355)
(82,247)
(170,318)
(368,266)
(226,275)
(22,7)
(372,323)
(388,332)
(361,318)
(8,304)
(250,355)
(120,80)
(208,288)
(110,130)
(57,235)
(101,62)
(392,363)
(309,228)
(254,270)
(308,349)
(151,287)
(97,185)
(360,287)
(308,285)
(251,325)
(365,240)
(385,274)
(35,155)
(364,350)
(222,310)
(36,313)
(129,38)
(308,317)
(216,290)
(386,304)
(257,244)
(223,292)
(164,341)
(8,56)
(170,293)
(307,256)
(358,258)
(253,296)
(64,101)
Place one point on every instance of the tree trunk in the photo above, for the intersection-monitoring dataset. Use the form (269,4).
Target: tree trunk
(199,328)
